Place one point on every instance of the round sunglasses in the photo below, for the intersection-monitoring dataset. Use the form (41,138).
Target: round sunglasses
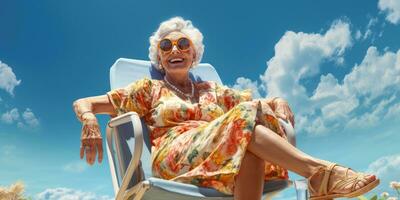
(166,45)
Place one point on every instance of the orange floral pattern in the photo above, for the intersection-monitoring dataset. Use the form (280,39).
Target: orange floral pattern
(199,143)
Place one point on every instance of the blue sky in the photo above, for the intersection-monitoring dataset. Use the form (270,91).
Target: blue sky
(337,63)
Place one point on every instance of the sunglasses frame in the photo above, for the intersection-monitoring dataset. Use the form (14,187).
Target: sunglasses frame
(175,43)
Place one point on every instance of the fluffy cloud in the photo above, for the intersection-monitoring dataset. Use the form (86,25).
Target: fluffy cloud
(10,116)
(375,79)
(8,80)
(387,168)
(393,112)
(366,95)
(392,10)
(28,118)
(245,83)
(298,56)
(368,30)
(363,98)
(376,73)
(68,194)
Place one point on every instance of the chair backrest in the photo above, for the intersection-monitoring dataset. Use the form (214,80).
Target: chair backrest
(125,71)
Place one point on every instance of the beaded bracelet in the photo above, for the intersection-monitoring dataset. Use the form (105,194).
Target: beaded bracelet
(84,112)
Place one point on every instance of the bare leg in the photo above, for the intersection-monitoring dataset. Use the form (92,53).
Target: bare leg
(270,147)
(249,182)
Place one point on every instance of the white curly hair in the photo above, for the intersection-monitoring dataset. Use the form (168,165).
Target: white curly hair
(181,25)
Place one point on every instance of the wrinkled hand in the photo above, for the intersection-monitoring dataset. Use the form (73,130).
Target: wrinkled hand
(283,111)
(91,141)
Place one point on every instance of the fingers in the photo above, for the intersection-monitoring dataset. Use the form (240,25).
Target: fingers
(91,143)
(94,153)
(100,149)
(88,154)
(82,150)
(83,142)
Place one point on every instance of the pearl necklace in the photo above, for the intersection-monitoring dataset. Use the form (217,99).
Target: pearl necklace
(189,96)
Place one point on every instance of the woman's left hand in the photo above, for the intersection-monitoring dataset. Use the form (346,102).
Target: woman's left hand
(283,111)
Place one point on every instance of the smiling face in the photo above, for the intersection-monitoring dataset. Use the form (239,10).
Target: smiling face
(176,61)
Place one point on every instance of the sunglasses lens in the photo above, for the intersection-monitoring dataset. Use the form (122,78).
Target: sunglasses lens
(166,45)
(183,43)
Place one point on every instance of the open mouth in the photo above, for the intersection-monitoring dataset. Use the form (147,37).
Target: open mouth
(176,60)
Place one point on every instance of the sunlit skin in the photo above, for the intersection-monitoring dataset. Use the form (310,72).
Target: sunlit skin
(265,144)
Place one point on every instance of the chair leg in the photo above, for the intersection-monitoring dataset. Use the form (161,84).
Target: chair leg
(137,191)
(301,187)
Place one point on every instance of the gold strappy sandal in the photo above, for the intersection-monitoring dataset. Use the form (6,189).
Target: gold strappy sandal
(325,193)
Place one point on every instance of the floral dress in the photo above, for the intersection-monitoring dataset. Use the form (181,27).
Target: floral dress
(200,143)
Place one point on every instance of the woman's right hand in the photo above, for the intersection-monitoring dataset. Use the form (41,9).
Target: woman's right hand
(91,140)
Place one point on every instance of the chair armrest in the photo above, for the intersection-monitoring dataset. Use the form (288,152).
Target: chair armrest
(137,153)
(290,133)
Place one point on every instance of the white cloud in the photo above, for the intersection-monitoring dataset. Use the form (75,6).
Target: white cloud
(358,35)
(8,80)
(370,88)
(68,194)
(365,96)
(368,30)
(387,169)
(75,167)
(245,83)
(28,119)
(392,9)
(10,116)
(393,111)
(375,74)
(373,117)
(298,56)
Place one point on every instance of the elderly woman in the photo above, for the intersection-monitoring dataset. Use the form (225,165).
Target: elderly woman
(208,134)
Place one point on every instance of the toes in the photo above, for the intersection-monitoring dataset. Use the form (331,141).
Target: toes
(370,177)
(367,179)
(360,184)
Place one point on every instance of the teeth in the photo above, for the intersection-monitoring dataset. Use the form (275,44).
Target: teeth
(176,60)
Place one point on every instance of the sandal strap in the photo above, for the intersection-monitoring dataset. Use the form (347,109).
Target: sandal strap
(348,180)
(323,189)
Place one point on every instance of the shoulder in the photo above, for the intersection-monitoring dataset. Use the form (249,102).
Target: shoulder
(142,84)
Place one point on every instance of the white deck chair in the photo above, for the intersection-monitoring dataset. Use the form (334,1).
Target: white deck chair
(130,163)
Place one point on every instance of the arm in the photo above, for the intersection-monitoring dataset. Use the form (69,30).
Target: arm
(134,97)
(91,140)
(95,105)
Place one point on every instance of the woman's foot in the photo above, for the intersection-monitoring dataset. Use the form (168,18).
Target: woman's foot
(341,182)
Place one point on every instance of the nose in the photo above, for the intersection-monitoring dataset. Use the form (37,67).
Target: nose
(174,49)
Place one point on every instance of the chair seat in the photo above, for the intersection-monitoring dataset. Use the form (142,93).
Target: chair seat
(161,189)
